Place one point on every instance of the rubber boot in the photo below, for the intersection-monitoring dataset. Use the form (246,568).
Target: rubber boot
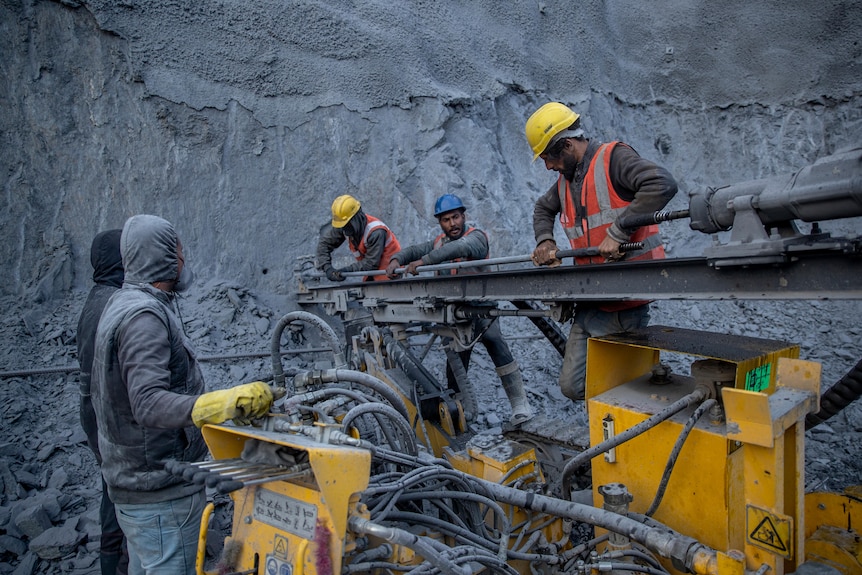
(513,385)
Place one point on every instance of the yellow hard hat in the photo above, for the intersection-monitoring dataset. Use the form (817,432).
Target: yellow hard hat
(547,122)
(343,208)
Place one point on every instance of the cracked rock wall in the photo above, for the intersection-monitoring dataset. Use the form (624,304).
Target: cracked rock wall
(240,122)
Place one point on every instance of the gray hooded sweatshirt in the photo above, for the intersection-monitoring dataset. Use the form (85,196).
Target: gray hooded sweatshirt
(145,377)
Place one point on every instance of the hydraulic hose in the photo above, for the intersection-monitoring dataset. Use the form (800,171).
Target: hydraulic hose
(411,366)
(383,410)
(505,528)
(325,330)
(465,388)
(549,328)
(845,391)
(695,556)
(423,546)
(359,377)
(674,453)
(696,396)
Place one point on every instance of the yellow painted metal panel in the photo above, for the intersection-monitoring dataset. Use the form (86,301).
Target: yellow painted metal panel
(696,501)
(748,416)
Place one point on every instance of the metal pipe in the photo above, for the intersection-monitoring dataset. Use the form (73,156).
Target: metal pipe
(560,254)
(467,312)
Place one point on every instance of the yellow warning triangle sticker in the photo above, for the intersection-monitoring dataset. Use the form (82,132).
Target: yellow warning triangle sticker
(766,534)
(770,531)
(280,547)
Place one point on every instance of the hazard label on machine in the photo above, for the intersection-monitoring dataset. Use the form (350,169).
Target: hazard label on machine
(769,531)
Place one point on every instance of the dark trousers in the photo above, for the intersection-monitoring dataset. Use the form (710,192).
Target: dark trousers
(492,339)
(113,557)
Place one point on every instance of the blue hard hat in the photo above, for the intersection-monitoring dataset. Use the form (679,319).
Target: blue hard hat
(447,203)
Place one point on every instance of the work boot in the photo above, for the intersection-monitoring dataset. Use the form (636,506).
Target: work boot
(513,385)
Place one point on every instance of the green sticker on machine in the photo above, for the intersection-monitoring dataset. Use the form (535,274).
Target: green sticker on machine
(758,378)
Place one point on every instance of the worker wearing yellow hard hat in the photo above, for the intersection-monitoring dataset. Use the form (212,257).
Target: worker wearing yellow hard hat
(371,241)
(598,187)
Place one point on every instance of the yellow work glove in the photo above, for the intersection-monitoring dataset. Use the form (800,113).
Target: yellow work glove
(241,403)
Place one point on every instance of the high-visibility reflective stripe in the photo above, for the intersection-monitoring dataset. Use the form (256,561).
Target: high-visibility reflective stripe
(603,206)
(391,245)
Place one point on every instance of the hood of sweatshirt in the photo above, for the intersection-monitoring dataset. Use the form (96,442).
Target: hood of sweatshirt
(106,258)
(149,248)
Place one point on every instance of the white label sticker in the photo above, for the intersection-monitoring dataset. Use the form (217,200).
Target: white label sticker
(285,513)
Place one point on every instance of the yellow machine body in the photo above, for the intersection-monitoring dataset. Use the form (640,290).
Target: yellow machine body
(832,523)
(295,527)
(737,484)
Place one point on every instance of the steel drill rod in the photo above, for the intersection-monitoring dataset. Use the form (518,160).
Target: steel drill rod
(265,472)
(267,478)
(249,469)
(653,218)
(229,485)
(578,253)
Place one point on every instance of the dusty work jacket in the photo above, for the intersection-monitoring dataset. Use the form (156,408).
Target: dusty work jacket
(375,247)
(471,246)
(616,182)
(145,375)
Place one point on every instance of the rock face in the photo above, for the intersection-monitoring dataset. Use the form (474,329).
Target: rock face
(240,123)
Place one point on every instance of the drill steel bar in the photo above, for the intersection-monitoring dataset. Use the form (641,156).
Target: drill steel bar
(561,254)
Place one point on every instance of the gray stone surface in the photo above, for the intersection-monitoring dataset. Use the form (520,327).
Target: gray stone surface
(58,541)
(33,521)
(240,123)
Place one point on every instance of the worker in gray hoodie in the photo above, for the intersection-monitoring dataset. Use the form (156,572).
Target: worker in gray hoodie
(148,395)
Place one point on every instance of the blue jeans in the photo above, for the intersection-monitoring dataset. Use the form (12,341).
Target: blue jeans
(162,537)
(587,323)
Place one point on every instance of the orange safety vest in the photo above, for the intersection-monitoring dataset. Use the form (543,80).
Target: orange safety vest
(390,248)
(603,206)
(438,242)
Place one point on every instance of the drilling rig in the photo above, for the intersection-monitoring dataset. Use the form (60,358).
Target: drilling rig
(371,464)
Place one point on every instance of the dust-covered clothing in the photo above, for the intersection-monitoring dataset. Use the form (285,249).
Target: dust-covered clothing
(471,246)
(145,375)
(647,187)
(610,182)
(371,242)
(107,265)
(108,274)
